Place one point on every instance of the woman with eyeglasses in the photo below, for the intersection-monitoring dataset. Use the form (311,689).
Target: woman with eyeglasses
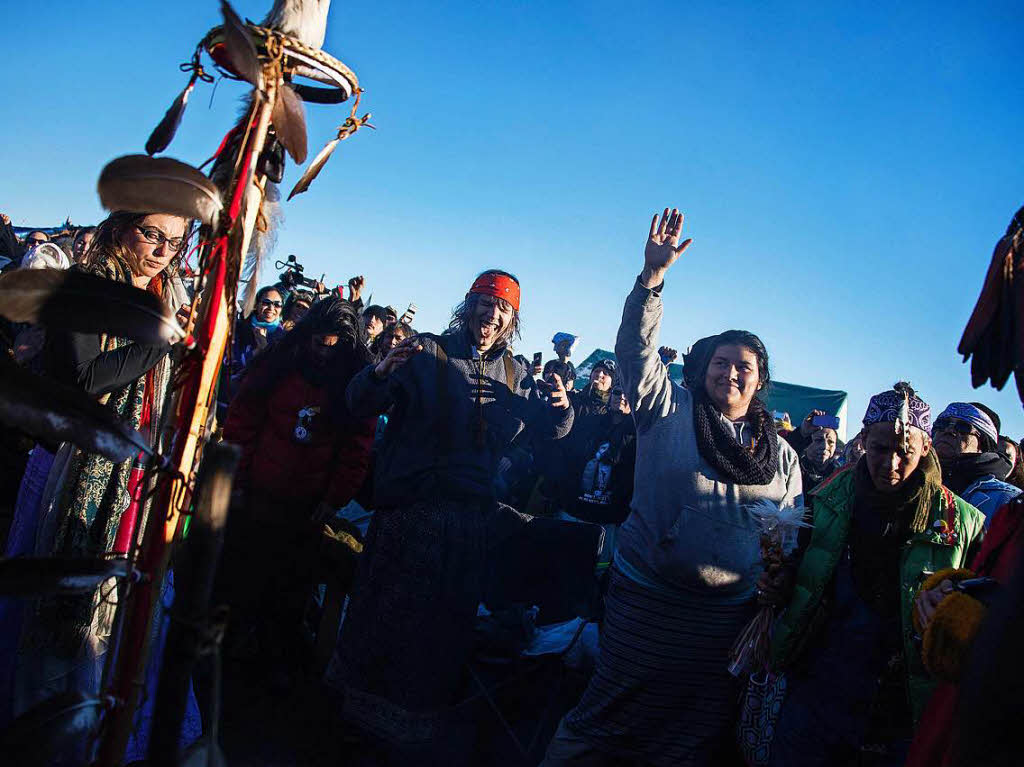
(73,503)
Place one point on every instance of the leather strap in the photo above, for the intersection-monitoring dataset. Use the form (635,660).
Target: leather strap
(444,423)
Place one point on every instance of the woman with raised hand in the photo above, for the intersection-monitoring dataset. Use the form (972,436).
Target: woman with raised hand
(684,578)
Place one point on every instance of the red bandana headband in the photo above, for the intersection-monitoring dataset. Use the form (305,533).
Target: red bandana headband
(499,286)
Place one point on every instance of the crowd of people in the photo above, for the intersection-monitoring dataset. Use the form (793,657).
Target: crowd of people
(401,467)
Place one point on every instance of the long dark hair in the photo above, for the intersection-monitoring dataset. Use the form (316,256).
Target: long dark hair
(757,412)
(331,316)
(705,349)
(462,313)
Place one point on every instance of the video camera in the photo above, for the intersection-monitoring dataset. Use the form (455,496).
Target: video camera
(292,276)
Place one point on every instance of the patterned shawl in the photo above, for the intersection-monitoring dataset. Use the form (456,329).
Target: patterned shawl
(94,496)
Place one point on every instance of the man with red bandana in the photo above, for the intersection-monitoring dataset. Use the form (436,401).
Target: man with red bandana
(456,401)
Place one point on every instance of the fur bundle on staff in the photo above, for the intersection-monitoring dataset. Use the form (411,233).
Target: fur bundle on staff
(305,20)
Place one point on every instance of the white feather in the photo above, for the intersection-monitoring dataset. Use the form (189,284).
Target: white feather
(305,20)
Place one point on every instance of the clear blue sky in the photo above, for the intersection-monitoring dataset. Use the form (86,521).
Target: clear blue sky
(845,171)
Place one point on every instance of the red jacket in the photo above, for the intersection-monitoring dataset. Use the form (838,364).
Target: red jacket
(326,462)
(1000,551)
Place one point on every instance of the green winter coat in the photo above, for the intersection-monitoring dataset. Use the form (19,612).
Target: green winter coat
(924,553)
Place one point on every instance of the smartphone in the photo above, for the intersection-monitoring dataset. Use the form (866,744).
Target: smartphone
(408,316)
(825,421)
(537,359)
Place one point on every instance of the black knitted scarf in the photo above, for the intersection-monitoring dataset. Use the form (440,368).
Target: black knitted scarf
(717,443)
(879,528)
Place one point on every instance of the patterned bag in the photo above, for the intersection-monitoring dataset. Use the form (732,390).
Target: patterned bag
(759,711)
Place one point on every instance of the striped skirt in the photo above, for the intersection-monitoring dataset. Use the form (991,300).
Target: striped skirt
(660,691)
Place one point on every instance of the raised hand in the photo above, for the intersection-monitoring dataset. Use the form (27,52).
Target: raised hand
(668,354)
(663,246)
(807,428)
(355,287)
(397,357)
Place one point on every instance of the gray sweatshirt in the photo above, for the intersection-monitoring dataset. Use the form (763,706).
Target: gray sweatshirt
(688,527)
(432,446)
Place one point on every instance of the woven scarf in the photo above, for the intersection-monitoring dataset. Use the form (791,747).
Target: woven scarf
(91,502)
(756,465)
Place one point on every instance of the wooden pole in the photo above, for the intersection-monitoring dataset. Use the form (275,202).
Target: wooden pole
(193,406)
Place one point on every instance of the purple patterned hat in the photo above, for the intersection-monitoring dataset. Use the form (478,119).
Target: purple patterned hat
(899,404)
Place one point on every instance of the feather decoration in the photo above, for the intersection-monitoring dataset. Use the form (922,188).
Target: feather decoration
(163,133)
(994,337)
(264,241)
(289,121)
(61,723)
(52,412)
(36,576)
(350,126)
(86,303)
(314,168)
(239,47)
(138,182)
(305,20)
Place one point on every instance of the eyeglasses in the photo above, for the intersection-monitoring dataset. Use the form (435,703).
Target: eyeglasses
(268,302)
(155,236)
(31,243)
(954,426)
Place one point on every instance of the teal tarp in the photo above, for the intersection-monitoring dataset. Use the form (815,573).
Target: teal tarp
(794,399)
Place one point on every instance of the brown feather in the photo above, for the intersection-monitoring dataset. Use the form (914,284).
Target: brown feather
(163,133)
(314,168)
(289,120)
(86,303)
(54,412)
(147,184)
(239,47)
(24,292)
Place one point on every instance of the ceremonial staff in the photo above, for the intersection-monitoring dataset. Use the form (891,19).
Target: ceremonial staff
(232,207)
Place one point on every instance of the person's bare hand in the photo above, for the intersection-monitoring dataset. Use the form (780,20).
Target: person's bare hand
(559,396)
(184,311)
(397,357)
(928,601)
(355,287)
(663,247)
(807,428)
(775,586)
(5,219)
(668,354)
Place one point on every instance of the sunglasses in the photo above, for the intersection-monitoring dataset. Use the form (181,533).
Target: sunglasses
(155,236)
(954,426)
(268,302)
(31,243)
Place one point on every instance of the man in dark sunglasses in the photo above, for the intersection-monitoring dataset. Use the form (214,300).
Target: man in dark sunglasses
(35,238)
(966,440)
